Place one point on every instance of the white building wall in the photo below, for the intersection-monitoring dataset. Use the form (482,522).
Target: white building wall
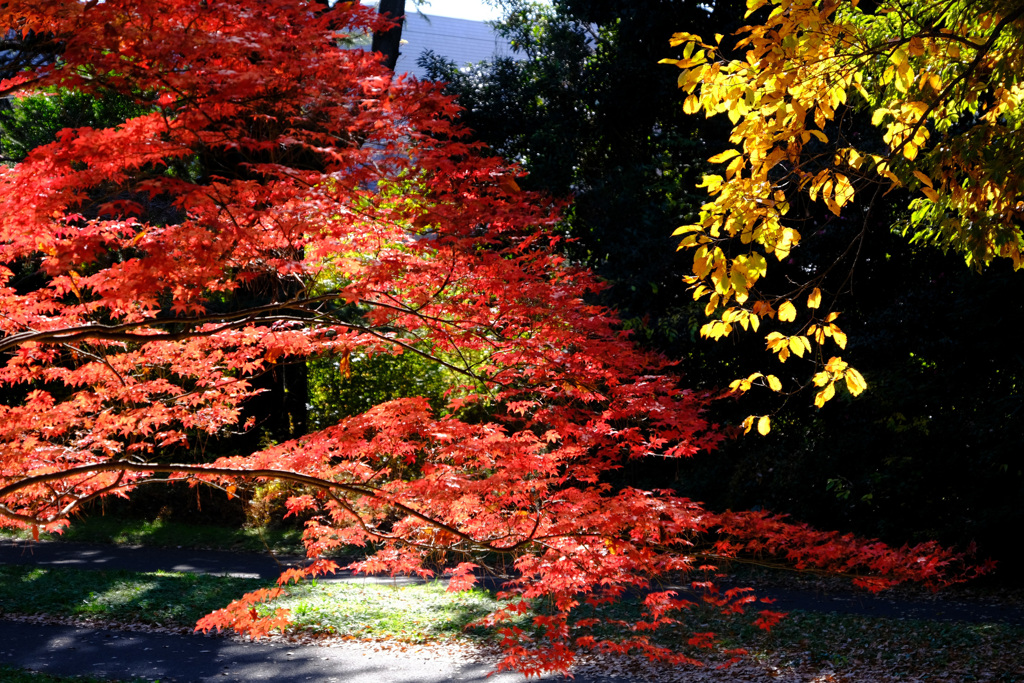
(460,40)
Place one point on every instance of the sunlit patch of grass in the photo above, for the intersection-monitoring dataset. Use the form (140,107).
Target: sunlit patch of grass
(416,613)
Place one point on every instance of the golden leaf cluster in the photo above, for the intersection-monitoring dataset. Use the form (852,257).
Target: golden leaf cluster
(941,81)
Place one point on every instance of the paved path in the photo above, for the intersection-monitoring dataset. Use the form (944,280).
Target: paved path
(66,650)
(168,657)
(139,559)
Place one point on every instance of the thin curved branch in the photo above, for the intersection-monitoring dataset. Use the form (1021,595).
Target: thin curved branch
(197,470)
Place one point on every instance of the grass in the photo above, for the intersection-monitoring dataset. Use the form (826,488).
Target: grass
(155,598)
(414,614)
(165,534)
(417,613)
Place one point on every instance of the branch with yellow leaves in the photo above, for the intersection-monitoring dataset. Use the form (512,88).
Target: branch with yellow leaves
(943,81)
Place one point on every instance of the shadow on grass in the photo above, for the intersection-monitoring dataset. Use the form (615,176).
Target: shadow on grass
(157,598)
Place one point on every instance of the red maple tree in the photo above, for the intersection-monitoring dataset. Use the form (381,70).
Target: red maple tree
(381,230)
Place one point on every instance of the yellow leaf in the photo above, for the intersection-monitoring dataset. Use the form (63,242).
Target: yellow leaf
(739,385)
(797,346)
(789,238)
(829,197)
(734,167)
(825,395)
(691,105)
(821,379)
(774,383)
(682,37)
(748,423)
(838,335)
(753,6)
(712,306)
(923,178)
(814,300)
(764,425)
(716,329)
(843,189)
(711,182)
(855,382)
(820,334)
(816,185)
(836,366)
(723,156)
(787,312)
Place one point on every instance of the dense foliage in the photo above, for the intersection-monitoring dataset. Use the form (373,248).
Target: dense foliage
(587,111)
(943,82)
(277,200)
(932,450)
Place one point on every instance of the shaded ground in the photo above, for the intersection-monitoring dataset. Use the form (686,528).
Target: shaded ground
(68,650)
(114,651)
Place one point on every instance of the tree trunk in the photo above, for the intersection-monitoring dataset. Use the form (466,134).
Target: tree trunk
(387,42)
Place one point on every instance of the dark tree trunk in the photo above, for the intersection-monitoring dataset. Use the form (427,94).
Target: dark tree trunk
(387,42)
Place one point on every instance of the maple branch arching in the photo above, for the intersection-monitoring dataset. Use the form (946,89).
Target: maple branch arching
(221,471)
